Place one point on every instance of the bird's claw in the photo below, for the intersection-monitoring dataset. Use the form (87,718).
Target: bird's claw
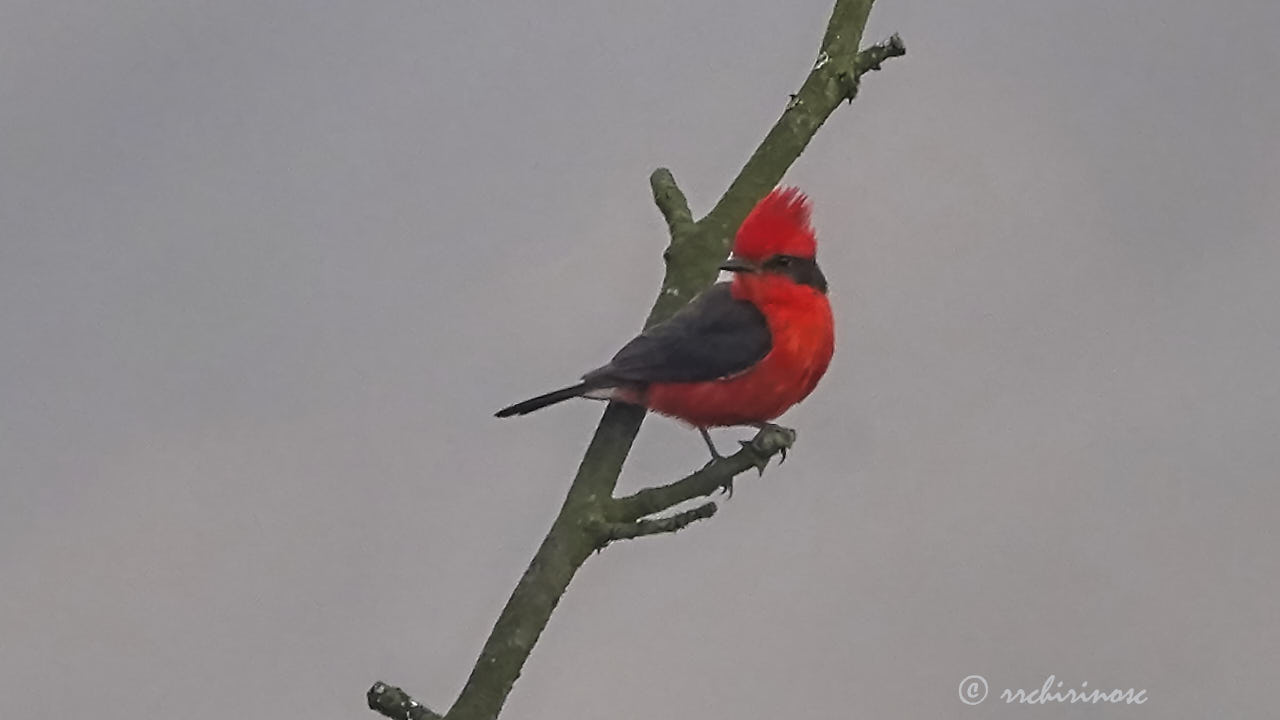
(774,438)
(771,439)
(760,459)
(727,487)
(715,458)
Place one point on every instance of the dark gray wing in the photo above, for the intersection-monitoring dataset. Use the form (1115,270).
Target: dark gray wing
(712,337)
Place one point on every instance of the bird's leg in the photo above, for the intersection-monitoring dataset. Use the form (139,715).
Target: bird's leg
(706,438)
(715,455)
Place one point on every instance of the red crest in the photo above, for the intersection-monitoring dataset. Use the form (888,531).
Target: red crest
(777,225)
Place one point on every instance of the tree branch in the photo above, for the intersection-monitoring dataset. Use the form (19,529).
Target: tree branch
(671,203)
(612,531)
(870,58)
(693,256)
(827,85)
(716,475)
(396,704)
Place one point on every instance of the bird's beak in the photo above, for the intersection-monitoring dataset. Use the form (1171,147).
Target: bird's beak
(737,264)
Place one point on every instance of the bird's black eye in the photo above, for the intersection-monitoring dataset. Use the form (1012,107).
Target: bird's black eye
(782,261)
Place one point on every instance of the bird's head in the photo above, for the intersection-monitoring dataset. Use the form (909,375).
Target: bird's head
(777,241)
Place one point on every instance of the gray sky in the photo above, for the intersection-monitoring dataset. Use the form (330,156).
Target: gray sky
(267,269)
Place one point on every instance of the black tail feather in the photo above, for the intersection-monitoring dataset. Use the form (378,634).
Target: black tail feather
(551,398)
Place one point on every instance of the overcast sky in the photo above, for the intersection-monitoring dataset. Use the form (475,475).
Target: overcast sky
(267,269)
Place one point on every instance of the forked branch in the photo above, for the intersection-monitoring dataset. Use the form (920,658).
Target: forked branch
(715,476)
(614,531)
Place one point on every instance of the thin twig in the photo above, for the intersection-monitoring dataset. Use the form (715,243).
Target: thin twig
(671,202)
(614,531)
(396,704)
(869,59)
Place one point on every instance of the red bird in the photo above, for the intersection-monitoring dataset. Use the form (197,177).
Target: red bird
(743,351)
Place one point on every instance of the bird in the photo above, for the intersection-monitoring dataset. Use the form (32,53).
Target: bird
(744,350)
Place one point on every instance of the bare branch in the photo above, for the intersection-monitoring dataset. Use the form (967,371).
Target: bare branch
(613,531)
(671,202)
(715,476)
(844,28)
(827,85)
(869,59)
(396,704)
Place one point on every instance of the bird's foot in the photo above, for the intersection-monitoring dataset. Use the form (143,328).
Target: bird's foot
(715,458)
(715,454)
(771,439)
(726,487)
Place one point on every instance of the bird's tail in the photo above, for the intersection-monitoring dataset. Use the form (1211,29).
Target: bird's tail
(551,398)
